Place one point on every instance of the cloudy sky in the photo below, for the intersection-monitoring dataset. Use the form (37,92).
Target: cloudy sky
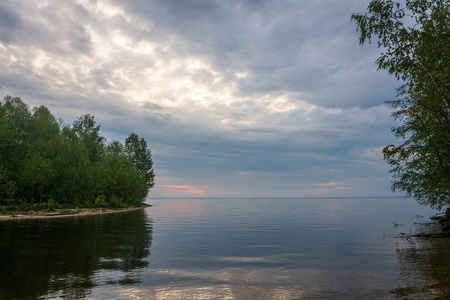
(236,98)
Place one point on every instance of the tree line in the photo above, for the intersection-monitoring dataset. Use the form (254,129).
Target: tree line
(44,161)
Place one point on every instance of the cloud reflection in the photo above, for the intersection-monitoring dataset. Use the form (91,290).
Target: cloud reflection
(259,283)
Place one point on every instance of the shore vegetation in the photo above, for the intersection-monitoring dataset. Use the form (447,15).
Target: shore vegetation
(46,164)
(415,38)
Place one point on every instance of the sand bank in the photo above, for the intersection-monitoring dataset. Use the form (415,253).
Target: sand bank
(69,213)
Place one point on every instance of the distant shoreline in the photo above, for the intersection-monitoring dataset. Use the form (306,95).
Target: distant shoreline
(69,213)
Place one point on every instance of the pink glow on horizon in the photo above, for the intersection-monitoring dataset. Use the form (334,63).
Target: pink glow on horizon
(331,183)
(184,189)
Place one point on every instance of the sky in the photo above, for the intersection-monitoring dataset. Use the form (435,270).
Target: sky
(235,98)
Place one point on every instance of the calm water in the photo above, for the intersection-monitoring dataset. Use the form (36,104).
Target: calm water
(229,249)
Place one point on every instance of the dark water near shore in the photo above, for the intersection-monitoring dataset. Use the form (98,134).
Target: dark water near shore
(229,249)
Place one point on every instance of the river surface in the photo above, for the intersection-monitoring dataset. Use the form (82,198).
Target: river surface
(305,248)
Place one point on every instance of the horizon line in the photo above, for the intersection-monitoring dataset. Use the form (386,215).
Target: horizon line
(274,197)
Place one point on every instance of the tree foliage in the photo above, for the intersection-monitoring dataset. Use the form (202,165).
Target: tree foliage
(141,157)
(415,36)
(46,161)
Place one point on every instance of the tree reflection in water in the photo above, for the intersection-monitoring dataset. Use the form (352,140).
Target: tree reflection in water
(424,267)
(68,257)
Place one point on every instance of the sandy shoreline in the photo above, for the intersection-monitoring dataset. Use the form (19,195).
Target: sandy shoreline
(72,213)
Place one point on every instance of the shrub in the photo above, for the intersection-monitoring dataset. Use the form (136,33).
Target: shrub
(36,206)
(100,200)
(51,203)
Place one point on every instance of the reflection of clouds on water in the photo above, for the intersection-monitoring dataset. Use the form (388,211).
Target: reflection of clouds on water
(228,283)
(181,209)
(259,283)
(271,249)
(278,276)
(268,259)
(224,292)
(236,249)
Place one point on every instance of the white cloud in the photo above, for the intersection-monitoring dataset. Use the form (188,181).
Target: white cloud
(234,86)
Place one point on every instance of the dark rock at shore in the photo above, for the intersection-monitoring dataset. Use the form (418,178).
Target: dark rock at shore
(445,221)
(446,228)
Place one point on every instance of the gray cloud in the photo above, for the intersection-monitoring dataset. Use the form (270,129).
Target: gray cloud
(226,92)
(9,22)
(307,47)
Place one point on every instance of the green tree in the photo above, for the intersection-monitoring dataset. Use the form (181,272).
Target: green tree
(4,185)
(74,180)
(415,37)
(14,128)
(38,172)
(88,134)
(141,157)
(127,184)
